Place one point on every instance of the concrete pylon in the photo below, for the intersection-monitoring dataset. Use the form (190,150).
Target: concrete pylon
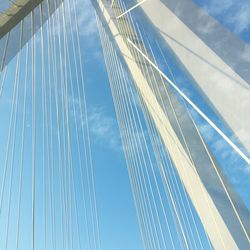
(201,176)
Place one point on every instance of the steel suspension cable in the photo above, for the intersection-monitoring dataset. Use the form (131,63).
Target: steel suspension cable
(22,147)
(123,134)
(17,82)
(87,131)
(50,144)
(126,32)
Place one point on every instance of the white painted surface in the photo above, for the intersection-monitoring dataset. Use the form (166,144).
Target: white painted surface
(208,213)
(225,89)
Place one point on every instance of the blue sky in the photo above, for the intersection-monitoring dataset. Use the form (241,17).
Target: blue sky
(119,228)
(118,223)
(233,14)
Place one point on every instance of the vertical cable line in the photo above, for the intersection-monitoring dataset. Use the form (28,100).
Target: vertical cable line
(209,154)
(150,160)
(147,210)
(91,175)
(150,79)
(179,125)
(140,160)
(5,71)
(12,121)
(66,116)
(123,133)
(22,147)
(17,82)
(8,143)
(121,125)
(3,80)
(142,166)
(183,139)
(92,178)
(177,121)
(108,67)
(78,148)
(50,111)
(137,167)
(141,142)
(153,88)
(5,52)
(65,94)
(43,126)
(63,134)
(33,130)
(49,122)
(75,121)
(156,149)
(190,102)
(128,31)
(146,72)
(62,195)
(112,77)
(83,136)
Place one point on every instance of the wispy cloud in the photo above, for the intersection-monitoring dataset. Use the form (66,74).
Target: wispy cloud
(85,15)
(235,166)
(103,128)
(86,18)
(236,13)
(87,25)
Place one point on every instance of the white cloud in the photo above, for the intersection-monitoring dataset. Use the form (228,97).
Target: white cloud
(234,164)
(241,18)
(235,12)
(86,17)
(104,128)
(219,6)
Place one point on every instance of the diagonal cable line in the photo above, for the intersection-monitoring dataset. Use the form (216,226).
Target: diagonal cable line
(210,122)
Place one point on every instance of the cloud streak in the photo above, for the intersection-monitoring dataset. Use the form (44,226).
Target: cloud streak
(234,12)
(86,18)
(235,166)
(104,129)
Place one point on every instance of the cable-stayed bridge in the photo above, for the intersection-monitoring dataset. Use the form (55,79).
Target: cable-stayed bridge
(176,95)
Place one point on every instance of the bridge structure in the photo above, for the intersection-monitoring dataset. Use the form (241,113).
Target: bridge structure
(171,84)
